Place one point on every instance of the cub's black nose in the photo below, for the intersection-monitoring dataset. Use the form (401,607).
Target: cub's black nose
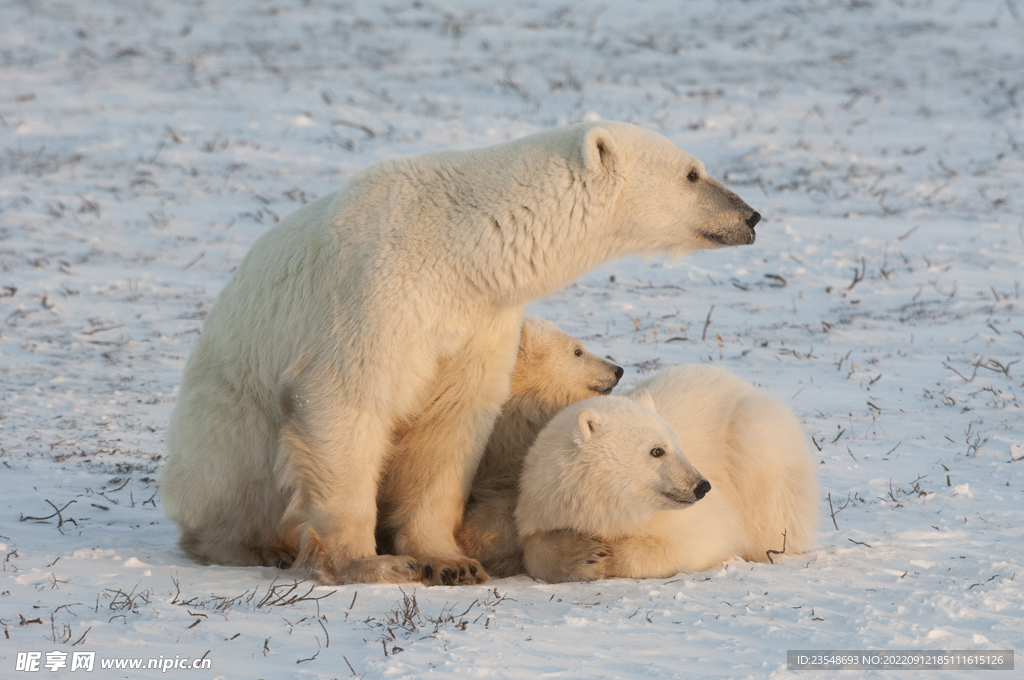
(618,372)
(753,219)
(704,486)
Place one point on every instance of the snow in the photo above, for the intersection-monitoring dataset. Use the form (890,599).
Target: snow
(146,145)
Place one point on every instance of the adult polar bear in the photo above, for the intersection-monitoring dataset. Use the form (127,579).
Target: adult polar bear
(386,317)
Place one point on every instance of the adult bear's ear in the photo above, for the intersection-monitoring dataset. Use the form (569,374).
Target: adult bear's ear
(600,155)
(587,422)
(644,397)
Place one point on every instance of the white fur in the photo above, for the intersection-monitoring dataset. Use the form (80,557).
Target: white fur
(372,333)
(591,469)
(748,445)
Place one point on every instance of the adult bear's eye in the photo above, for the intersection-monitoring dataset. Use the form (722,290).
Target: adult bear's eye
(657,452)
(693,176)
(578,352)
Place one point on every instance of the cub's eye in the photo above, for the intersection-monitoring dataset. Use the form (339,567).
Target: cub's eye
(578,352)
(657,452)
(693,176)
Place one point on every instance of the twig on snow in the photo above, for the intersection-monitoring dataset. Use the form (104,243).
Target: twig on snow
(769,553)
(707,322)
(57,514)
(858,276)
(835,512)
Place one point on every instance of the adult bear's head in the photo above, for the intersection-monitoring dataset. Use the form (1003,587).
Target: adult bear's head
(665,199)
(528,216)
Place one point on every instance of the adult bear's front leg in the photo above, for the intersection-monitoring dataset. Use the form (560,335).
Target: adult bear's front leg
(434,460)
(425,489)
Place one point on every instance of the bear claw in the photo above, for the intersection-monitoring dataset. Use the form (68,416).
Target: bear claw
(453,572)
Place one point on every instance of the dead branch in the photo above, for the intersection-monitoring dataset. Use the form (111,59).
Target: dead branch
(998,367)
(362,128)
(707,322)
(965,379)
(57,514)
(769,553)
(858,275)
(834,512)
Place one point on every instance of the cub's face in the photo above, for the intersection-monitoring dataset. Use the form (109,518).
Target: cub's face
(557,369)
(636,456)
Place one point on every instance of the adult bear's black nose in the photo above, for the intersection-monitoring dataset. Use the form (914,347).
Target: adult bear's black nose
(753,219)
(618,372)
(702,488)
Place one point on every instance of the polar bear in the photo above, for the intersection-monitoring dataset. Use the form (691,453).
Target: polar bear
(579,521)
(552,371)
(390,311)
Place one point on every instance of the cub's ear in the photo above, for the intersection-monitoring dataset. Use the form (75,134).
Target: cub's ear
(526,337)
(600,155)
(644,397)
(587,422)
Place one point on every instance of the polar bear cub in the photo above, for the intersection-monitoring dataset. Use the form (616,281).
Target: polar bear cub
(552,371)
(590,506)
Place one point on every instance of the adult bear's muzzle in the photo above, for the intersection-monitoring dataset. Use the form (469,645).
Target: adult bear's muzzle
(729,221)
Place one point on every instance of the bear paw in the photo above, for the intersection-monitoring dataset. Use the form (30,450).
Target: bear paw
(269,556)
(375,569)
(589,559)
(452,571)
(566,555)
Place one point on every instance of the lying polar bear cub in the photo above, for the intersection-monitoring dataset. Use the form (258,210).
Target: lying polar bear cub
(607,487)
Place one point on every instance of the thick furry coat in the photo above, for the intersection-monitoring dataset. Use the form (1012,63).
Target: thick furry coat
(763,488)
(385,317)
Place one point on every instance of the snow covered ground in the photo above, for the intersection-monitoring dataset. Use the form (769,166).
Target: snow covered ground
(145,145)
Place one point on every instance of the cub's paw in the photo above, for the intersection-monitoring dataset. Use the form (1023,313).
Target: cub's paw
(589,559)
(452,571)
(565,555)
